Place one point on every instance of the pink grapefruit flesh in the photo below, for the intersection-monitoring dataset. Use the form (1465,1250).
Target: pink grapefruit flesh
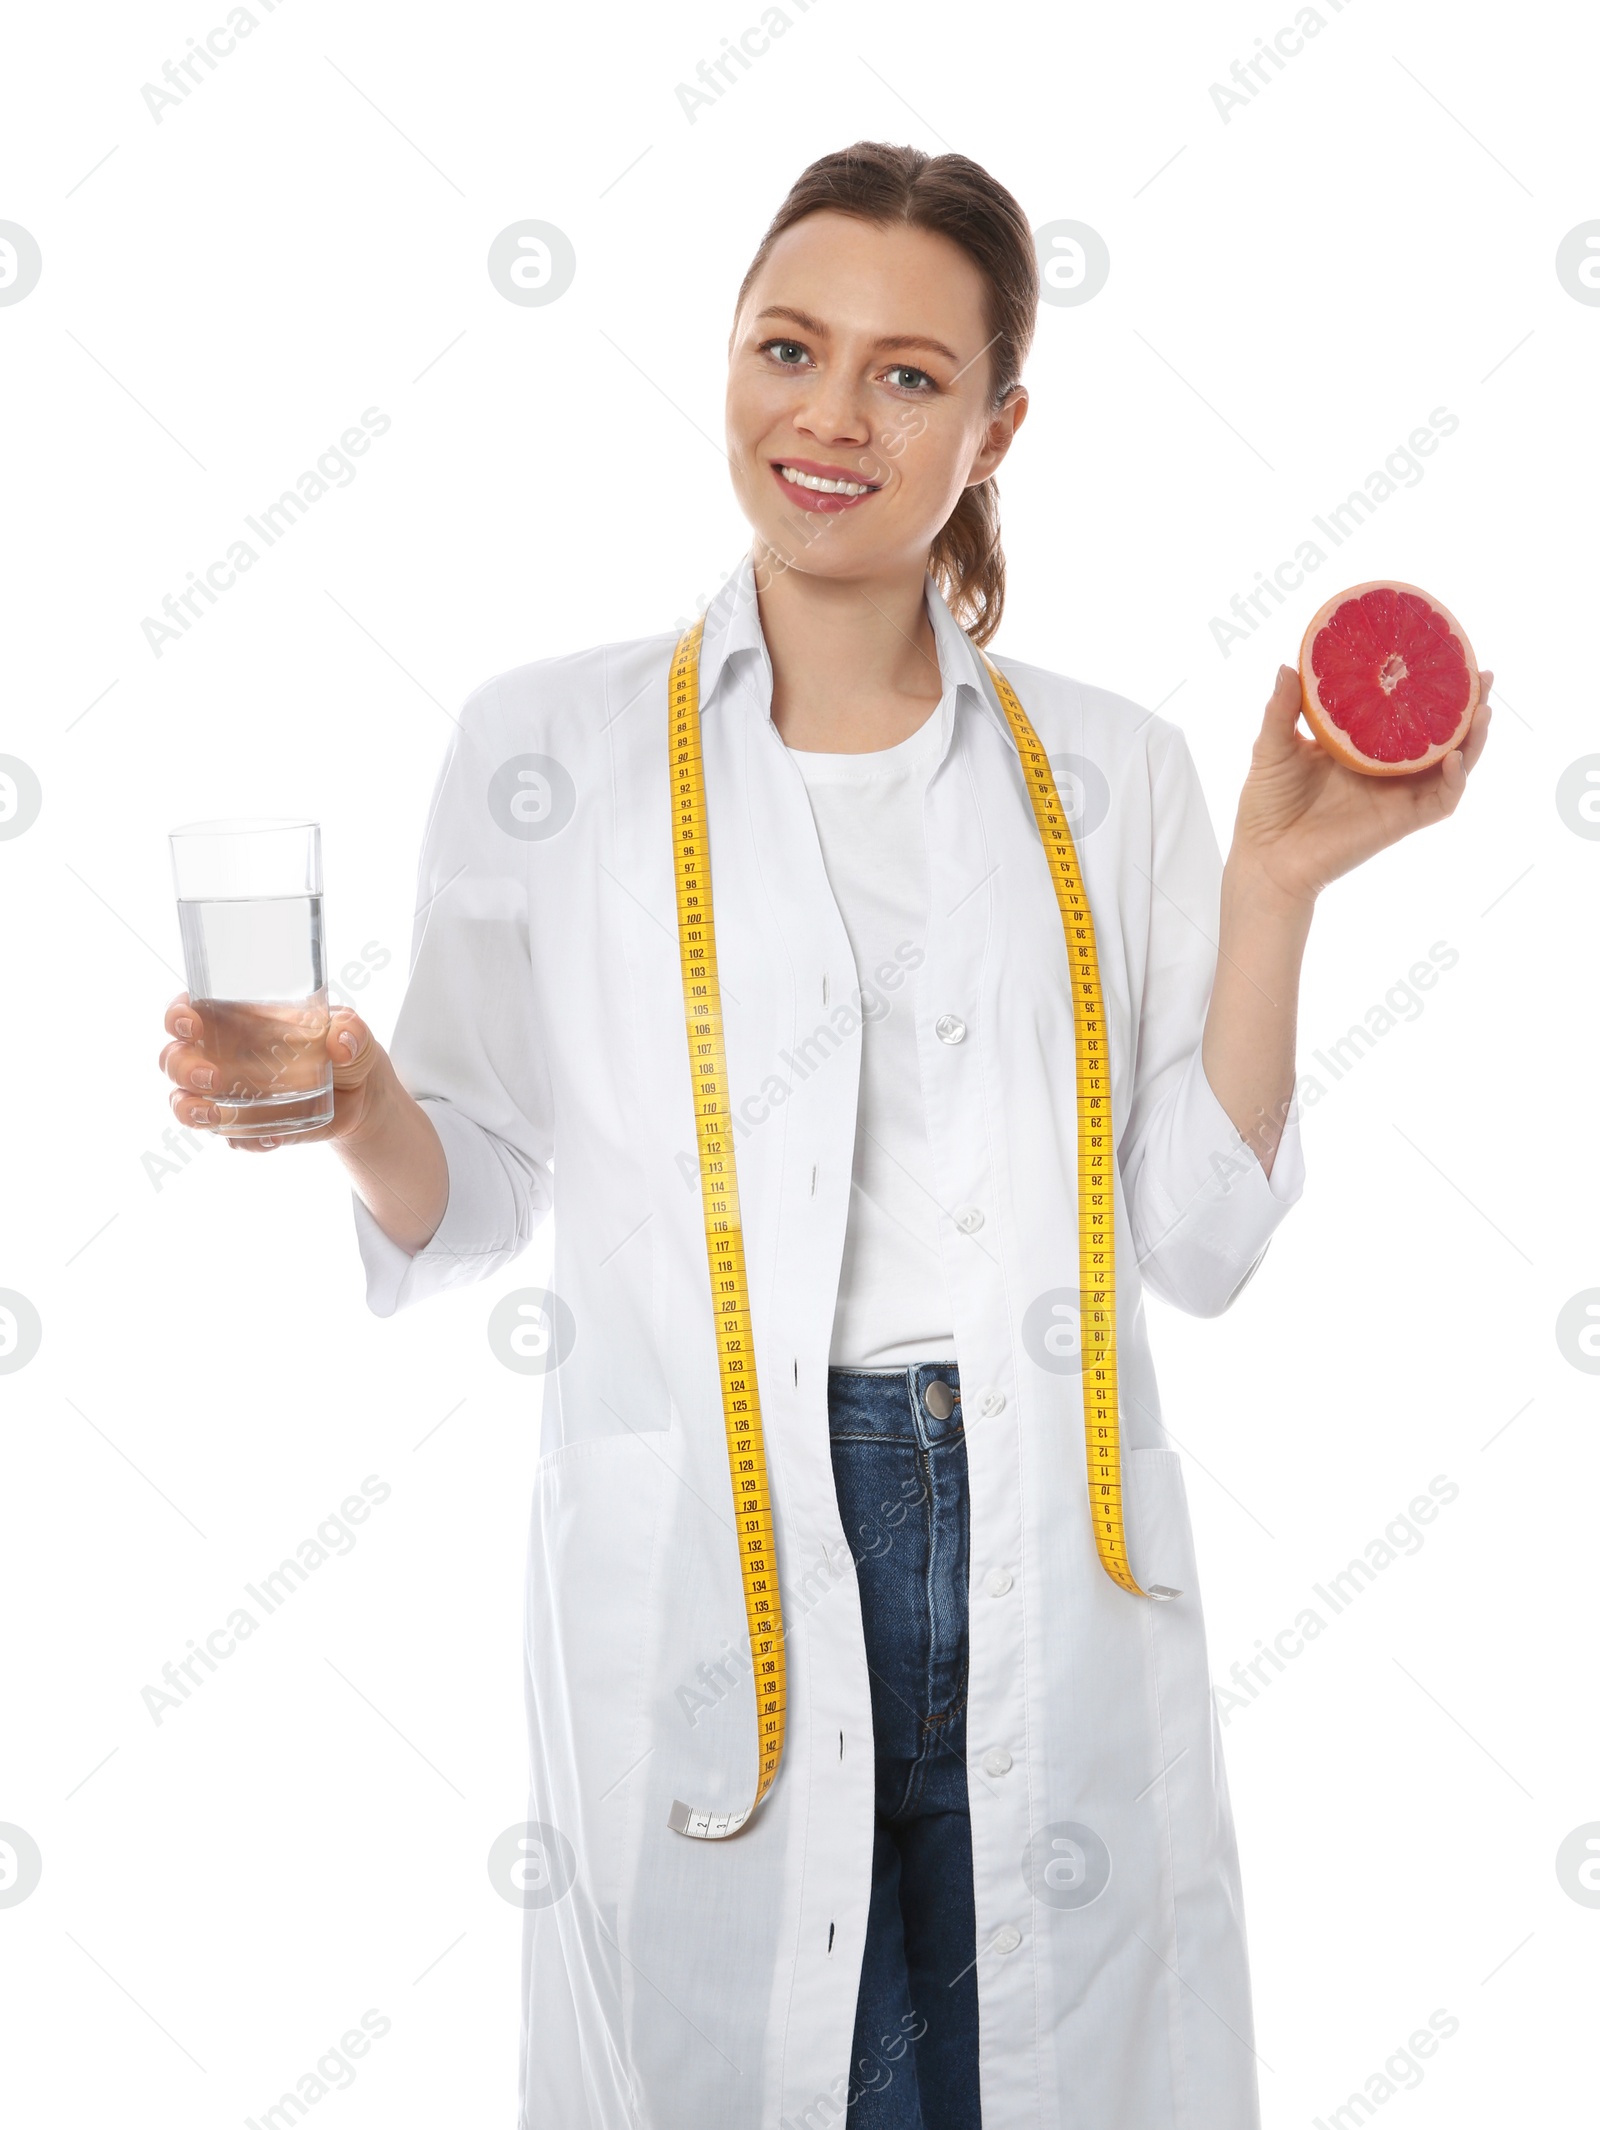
(1388,680)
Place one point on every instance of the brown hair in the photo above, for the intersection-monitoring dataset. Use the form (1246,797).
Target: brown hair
(955,198)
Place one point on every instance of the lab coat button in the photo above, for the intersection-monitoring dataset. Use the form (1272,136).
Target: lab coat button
(994,1401)
(950,1030)
(999,1582)
(969,1219)
(997,1761)
(1007,1938)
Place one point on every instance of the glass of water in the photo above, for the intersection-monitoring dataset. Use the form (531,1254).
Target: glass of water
(250,909)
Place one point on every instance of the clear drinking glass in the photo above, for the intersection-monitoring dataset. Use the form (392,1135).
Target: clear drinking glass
(250,909)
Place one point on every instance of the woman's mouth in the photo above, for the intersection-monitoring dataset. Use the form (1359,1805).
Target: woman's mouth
(825,488)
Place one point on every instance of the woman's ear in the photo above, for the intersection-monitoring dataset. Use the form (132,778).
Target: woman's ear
(1003,426)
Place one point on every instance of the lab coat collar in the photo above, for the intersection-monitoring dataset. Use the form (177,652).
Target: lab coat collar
(733,628)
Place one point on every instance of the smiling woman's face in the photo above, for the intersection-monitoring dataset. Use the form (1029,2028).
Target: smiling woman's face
(859,356)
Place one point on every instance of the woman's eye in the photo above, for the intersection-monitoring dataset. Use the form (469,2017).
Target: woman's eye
(905,378)
(788,352)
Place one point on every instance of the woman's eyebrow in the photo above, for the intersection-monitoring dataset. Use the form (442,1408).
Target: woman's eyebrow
(808,324)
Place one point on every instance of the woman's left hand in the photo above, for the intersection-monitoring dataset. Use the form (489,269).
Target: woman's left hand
(1304,818)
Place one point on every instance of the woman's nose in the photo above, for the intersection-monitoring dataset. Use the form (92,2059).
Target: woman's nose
(835,414)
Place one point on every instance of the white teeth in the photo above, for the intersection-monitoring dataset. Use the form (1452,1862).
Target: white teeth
(827,488)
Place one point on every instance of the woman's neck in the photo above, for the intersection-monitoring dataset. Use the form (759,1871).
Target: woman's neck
(855,667)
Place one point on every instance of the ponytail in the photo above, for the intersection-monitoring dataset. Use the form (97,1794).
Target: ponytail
(967,563)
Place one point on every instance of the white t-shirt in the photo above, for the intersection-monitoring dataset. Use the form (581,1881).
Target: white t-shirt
(893,1304)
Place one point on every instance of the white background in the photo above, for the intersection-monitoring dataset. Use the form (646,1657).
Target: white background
(304,236)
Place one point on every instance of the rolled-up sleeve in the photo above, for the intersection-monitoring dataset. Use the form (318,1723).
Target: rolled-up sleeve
(1202,1208)
(466,1043)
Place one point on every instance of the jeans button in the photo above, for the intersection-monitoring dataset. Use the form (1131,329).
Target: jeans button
(997,1761)
(940,1399)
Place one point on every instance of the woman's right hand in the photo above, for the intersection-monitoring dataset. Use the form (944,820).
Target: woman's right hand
(360,1066)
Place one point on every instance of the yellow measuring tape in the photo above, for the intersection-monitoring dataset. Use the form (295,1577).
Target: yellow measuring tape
(719,1194)
(719,1191)
(1097,1162)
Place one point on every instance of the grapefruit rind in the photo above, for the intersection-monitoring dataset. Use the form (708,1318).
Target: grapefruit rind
(1389,687)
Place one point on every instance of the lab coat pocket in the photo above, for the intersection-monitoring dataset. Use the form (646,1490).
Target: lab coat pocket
(1161,1549)
(1202,1938)
(1160,1544)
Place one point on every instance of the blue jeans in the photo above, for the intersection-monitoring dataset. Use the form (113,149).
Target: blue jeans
(900,1473)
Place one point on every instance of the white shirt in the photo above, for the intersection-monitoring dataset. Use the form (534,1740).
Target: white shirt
(893,1305)
(671,1981)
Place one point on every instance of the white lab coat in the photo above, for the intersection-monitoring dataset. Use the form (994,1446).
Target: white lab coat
(673,1984)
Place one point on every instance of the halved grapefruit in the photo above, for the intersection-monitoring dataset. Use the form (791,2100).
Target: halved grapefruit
(1387,678)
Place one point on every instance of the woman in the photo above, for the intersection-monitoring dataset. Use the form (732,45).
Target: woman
(949,1841)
